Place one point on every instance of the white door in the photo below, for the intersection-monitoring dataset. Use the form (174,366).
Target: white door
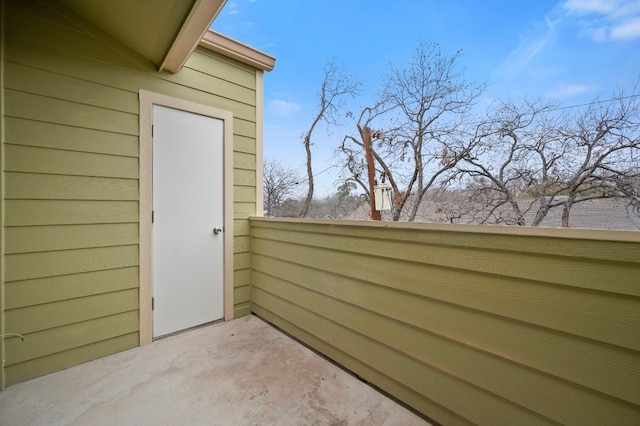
(187,220)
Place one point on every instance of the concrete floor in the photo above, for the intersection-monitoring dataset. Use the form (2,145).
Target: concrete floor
(242,372)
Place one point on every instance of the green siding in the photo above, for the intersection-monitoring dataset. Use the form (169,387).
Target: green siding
(68,212)
(40,291)
(26,266)
(57,187)
(29,239)
(73,139)
(53,161)
(2,237)
(469,325)
(91,340)
(71,182)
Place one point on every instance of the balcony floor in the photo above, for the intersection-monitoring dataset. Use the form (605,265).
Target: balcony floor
(241,372)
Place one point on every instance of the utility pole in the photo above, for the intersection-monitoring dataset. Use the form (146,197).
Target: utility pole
(366,138)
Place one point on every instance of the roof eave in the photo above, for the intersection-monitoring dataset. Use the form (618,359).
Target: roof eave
(231,48)
(194,28)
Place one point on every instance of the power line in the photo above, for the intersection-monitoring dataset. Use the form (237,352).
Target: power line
(594,102)
(315,175)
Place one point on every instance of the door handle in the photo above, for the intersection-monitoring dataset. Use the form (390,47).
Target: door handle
(216,231)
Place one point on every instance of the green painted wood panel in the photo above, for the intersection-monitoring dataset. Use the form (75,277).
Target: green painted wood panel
(556,350)
(39,291)
(243,127)
(244,194)
(244,161)
(241,244)
(36,25)
(67,63)
(66,237)
(243,210)
(403,393)
(45,83)
(245,144)
(41,108)
(618,277)
(241,278)
(55,161)
(53,340)
(459,360)
(58,212)
(244,178)
(581,243)
(611,369)
(241,227)
(613,322)
(223,68)
(32,8)
(52,315)
(242,295)
(50,135)
(61,360)
(241,309)
(55,187)
(26,266)
(197,78)
(72,178)
(2,140)
(241,261)
(410,372)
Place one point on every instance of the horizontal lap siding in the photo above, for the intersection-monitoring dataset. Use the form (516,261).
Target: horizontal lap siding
(244,192)
(467,326)
(71,183)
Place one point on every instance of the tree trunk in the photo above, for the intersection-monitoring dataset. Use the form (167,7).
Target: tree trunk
(566,210)
(371,170)
(304,211)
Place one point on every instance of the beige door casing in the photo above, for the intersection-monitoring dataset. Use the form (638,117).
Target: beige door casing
(147,101)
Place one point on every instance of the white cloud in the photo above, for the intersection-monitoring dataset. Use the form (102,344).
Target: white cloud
(589,6)
(530,47)
(232,8)
(605,20)
(568,90)
(282,108)
(626,30)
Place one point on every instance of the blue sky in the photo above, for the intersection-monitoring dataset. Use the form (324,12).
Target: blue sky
(569,50)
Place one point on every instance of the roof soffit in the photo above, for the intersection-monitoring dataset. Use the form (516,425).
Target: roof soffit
(164,32)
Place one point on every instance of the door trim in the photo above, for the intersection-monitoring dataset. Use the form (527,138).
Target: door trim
(147,101)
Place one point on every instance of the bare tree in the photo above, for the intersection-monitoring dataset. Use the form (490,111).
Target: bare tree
(336,84)
(513,155)
(352,153)
(420,110)
(279,184)
(603,152)
(529,158)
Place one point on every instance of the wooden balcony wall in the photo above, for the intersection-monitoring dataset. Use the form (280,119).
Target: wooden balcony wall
(466,324)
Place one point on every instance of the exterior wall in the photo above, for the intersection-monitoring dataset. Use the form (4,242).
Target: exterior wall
(467,324)
(72,182)
(2,328)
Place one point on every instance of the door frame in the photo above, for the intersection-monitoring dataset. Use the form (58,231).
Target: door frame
(147,101)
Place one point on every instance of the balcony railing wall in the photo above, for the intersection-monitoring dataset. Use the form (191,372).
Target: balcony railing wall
(466,324)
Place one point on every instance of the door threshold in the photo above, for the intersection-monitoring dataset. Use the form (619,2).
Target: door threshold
(195,327)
